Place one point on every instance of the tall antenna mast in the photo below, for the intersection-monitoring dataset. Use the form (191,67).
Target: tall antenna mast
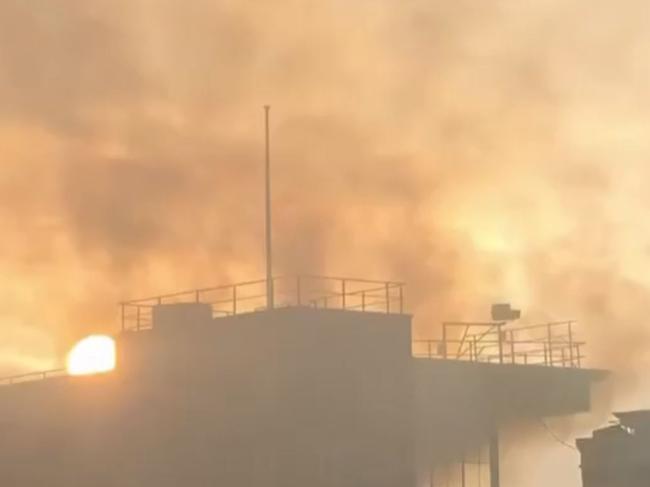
(269,235)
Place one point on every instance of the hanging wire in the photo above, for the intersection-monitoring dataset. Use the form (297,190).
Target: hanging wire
(553,435)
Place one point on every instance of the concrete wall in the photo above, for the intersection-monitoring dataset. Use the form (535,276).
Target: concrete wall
(457,404)
(288,397)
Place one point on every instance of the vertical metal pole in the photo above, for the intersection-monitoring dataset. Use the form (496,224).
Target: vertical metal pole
(462,471)
(363,300)
(572,364)
(444,341)
(512,346)
(267,178)
(545,354)
(480,465)
(234,300)
(494,457)
(579,355)
(298,291)
(387,297)
(549,335)
(401,299)
(343,293)
(197,296)
(500,335)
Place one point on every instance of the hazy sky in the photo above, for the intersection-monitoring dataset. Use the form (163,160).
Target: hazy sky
(478,150)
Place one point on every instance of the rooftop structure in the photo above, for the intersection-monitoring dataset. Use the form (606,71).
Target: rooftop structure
(349,294)
(327,388)
(619,454)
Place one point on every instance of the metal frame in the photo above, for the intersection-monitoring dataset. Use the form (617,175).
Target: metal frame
(550,344)
(32,376)
(322,292)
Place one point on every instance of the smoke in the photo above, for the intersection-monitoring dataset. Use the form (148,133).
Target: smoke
(480,151)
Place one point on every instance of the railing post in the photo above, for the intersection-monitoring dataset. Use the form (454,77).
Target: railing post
(401,299)
(579,355)
(475,348)
(444,341)
(462,470)
(298,291)
(388,298)
(234,300)
(571,344)
(500,335)
(343,293)
(363,300)
(545,354)
(197,296)
(512,346)
(429,349)
(549,336)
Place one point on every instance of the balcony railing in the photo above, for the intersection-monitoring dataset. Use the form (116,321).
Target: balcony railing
(31,377)
(305,290)
(549,344)
(320,292)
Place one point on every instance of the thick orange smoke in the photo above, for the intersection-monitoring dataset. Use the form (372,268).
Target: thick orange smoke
(479,151)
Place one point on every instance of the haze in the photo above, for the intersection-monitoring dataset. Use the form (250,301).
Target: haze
(479,151)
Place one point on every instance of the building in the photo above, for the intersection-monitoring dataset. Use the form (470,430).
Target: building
(327,388)
(618,455)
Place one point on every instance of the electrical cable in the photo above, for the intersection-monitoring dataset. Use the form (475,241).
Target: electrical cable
(553,435)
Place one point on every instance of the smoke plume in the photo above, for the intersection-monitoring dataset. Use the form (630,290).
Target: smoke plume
(479,151)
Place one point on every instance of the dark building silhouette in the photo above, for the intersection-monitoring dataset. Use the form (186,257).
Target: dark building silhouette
(326,389)
(618,455)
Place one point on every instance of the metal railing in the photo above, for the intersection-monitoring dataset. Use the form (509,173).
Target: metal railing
(549,344)
(322,292)
(31,377)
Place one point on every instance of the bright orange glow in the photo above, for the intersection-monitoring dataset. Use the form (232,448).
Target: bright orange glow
(92,355)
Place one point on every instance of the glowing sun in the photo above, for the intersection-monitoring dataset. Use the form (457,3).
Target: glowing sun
(92,355)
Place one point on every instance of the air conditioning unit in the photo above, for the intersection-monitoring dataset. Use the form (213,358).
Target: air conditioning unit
(504,312)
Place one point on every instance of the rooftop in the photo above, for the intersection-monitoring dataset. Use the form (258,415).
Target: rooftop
(550,344)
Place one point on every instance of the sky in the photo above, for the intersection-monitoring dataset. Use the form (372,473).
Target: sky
(479,151)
